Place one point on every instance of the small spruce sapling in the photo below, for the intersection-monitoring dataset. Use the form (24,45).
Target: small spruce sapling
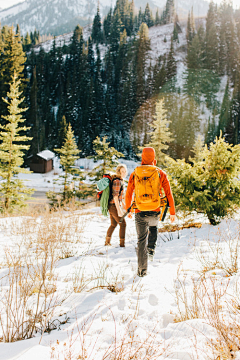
(209,184)
(13,192)
(108,156)
(160,136)
(68,156)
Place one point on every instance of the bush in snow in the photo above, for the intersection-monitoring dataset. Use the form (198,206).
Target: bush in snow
(209,184)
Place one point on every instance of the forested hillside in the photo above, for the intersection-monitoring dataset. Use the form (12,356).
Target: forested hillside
(57,17)
(106,82)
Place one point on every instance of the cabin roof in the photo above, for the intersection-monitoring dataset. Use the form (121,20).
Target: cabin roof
(46,154)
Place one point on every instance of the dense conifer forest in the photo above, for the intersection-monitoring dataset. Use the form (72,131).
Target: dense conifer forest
(107,85)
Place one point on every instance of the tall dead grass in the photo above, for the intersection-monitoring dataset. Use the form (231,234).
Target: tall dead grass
(28,287)
(209,297)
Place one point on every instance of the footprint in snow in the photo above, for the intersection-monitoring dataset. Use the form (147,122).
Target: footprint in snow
(153,300)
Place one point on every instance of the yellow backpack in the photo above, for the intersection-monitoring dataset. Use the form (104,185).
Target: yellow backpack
(147,188)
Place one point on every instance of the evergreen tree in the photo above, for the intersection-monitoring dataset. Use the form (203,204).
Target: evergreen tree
(168,14)
(233,127)
(107,154)
(190,27)
(27,43)
(195,54)
(224,117)
(37,130)
(62,132)
(13,192)
(212,42)
(175,34)
(157,18)
(12,61)
(147,16)
(107,23)
(209,184)
(18,30)
(68,156)
(97,34)
(142,50)
(171,66)
(160,135)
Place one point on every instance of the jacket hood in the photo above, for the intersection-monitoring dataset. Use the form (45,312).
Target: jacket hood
(148,156)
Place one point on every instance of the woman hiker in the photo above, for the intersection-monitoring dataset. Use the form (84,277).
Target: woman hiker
(115,202)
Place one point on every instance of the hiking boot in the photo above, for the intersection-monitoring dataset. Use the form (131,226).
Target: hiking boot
(122,242)
(108,241)
(142,273)
(151,253)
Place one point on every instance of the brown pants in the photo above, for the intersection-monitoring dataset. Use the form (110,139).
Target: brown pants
(114,221)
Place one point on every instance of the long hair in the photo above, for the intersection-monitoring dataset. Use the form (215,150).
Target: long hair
(118,169)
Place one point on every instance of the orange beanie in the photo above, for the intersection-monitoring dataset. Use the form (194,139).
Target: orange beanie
(148,156)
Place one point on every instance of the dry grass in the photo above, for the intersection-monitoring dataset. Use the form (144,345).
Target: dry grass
(129,346)
(28,288)
(222,255)
(208,297)
(103,277)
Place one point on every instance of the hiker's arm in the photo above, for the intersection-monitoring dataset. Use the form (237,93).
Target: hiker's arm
(119,210)
(116,189)
(168,192)
(129,192)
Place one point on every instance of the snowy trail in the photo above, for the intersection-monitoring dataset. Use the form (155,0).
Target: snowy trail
(144,305)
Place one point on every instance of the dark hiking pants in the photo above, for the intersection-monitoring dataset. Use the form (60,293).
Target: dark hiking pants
(146,226)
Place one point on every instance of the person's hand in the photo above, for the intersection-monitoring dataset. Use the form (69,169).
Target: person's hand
(120,213)
(130,215)
(172,218)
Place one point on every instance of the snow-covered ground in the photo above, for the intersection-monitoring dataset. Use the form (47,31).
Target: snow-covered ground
(142,312)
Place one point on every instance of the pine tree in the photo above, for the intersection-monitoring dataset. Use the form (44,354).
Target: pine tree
(13,192)
(160,136)
(141,55)
(12,61)
(107,154)
(37,130)
(157,18)
(194,56)
(212,41)
(168,14)
(175,34)
(62,132)
(190,28)
(171,67)
(224,117)
(147,16)
(68,156)
(107,23)
(27,43)
(97,34)
(208,185)
(233,127)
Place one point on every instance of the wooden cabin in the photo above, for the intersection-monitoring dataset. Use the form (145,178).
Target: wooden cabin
(42,162)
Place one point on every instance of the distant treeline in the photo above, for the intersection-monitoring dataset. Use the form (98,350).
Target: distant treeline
(97,95)
(214,51)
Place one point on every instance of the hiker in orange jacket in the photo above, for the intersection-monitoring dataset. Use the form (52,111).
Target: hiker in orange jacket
(146,221)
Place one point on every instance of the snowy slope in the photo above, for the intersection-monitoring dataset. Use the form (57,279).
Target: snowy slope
(142,312)
(60,16)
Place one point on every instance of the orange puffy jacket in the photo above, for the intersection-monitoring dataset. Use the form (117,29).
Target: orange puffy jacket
(164,184)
